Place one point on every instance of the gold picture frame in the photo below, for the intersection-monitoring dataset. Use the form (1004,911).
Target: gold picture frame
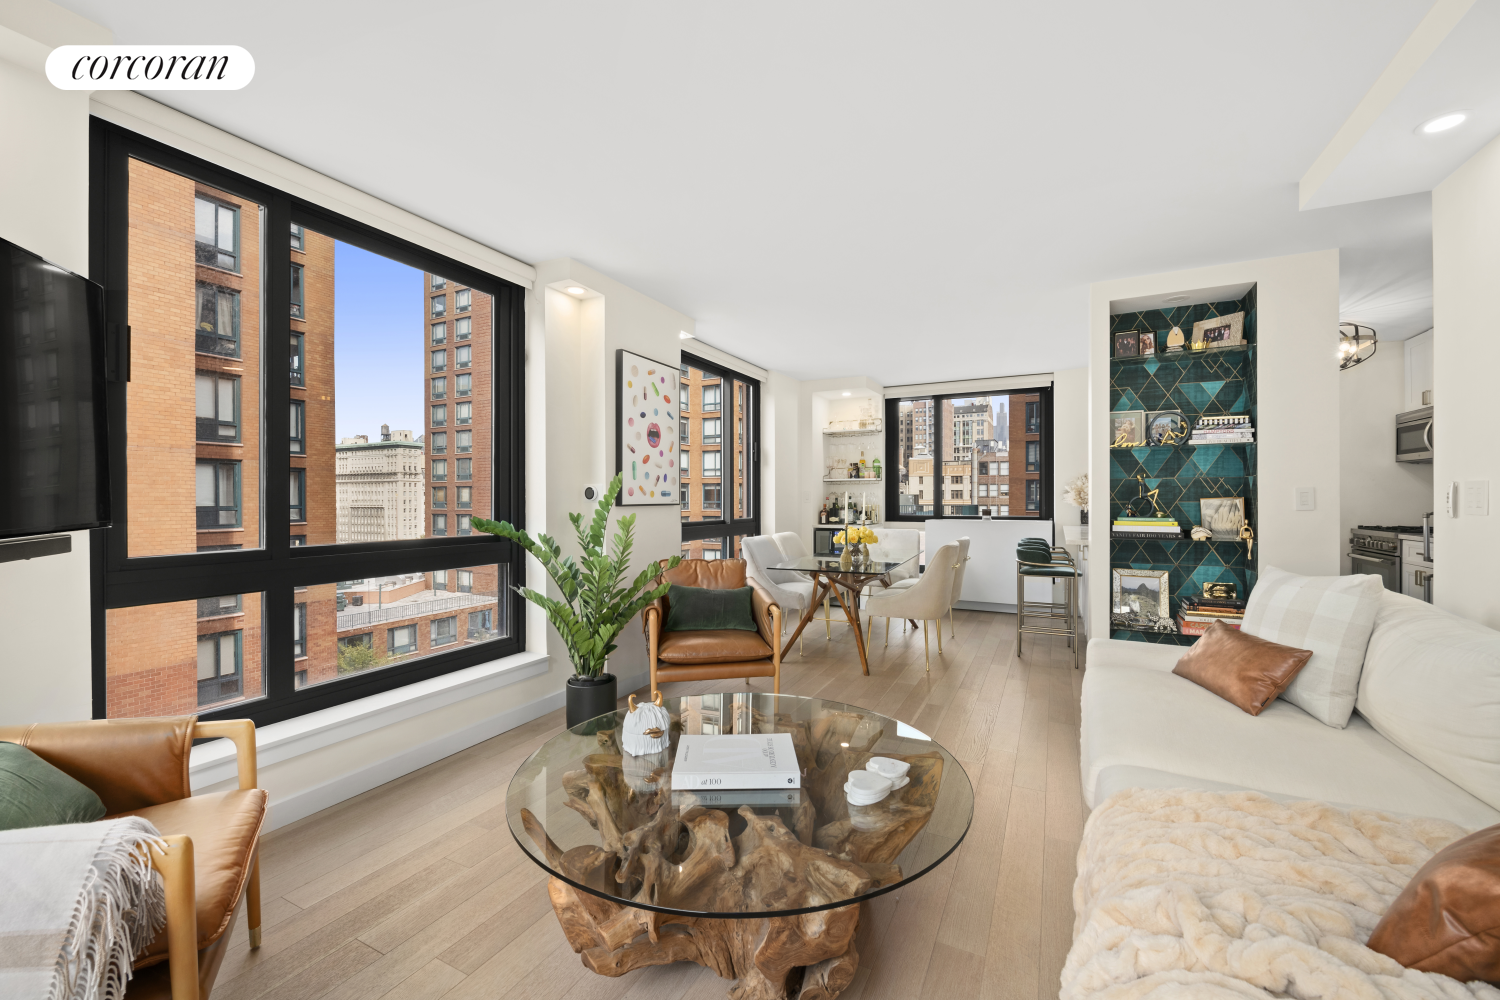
(1149,589)
(1127,428)
(1219,331)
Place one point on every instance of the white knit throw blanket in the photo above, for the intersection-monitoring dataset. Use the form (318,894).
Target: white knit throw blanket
(77,903)
(1185,895)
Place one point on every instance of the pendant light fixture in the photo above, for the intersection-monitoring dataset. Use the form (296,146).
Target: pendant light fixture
(1356,343)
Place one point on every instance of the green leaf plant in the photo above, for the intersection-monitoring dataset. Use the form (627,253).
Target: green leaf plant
(596,605)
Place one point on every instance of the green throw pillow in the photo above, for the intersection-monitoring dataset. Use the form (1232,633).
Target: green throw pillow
(34,793)
(697,608)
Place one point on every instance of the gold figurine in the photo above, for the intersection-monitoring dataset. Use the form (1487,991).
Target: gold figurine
(1249,538)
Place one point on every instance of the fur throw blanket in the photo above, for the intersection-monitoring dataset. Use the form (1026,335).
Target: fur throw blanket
(1185,895)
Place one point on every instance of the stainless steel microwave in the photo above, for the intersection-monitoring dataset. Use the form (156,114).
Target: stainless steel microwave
(1414,435)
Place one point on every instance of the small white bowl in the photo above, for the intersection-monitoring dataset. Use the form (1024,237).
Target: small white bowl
(868,783)
(888,767)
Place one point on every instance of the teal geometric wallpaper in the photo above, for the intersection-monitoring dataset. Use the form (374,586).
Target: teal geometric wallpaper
(1198,383)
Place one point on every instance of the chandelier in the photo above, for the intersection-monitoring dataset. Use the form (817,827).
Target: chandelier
(1356,343)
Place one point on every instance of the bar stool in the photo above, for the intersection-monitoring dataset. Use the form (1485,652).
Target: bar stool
(1035,558)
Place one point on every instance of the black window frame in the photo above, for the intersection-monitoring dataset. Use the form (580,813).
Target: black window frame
(220,506)
(297,427)
(940,435)
(277,568)
(219,677)
(298,240)
(297,296)
(214,249)
(297,496)
(726,525)
(204,341)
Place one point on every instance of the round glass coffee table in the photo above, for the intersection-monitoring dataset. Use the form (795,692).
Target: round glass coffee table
(762,886)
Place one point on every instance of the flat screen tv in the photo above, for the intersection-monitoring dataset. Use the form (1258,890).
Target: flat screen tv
(53,450)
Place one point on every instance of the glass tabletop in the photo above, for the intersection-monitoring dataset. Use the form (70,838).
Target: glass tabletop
(611,824)
(830,564)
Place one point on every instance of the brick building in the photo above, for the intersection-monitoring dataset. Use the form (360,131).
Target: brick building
(1026,455)
(711,414)
(193,427)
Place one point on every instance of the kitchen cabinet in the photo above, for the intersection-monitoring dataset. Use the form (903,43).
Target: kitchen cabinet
(1418,371)
(1416,572)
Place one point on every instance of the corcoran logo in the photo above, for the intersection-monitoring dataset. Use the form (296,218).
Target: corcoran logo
(150,67)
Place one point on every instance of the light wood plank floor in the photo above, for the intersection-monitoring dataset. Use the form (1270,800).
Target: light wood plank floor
(416,889)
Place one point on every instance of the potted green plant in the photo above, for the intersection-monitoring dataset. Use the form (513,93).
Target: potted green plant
(595,607)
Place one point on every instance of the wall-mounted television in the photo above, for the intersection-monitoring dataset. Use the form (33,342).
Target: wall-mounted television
(53,450)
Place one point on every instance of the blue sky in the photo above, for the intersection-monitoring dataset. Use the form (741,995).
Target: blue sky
(378,319)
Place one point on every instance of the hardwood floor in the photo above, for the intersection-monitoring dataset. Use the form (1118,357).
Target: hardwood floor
(416,890)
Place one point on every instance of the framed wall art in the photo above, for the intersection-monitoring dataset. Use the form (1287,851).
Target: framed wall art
(1166,427)
(1220,331)
(646,452)
(1127,345)
(1148,342)
(1142,590)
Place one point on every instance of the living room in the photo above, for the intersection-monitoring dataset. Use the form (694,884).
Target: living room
(1082,517)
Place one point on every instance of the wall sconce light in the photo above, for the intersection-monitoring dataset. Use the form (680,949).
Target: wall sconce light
(1356,343)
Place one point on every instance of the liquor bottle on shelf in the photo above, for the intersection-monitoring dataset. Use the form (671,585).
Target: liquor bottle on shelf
(823,513)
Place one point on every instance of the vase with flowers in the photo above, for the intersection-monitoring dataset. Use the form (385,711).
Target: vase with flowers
(856,540)
(1077,494)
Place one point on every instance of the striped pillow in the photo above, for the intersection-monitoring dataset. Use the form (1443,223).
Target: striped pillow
(1330,615)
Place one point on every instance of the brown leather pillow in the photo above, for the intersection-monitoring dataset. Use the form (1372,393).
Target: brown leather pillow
(1241,668)
(1447,919)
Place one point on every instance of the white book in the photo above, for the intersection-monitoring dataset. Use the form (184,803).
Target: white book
(755,760)
(760,798)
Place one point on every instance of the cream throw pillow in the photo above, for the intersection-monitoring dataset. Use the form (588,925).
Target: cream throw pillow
(1330,615)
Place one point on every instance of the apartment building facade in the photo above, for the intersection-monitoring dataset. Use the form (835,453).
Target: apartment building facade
(381,489)
(194,415)
(1027,456)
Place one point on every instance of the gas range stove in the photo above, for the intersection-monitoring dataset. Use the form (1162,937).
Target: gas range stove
(1385,538)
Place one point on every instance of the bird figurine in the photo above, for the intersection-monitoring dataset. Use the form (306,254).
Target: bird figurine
(1200,534)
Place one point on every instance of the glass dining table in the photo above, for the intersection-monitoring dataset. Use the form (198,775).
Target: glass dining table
(846,583)
(762,885)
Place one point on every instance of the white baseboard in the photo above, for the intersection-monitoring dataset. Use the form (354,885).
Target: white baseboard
(1006,609)
(290,808)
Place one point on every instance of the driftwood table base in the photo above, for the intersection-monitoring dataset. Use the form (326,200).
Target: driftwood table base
(663,877)
(808,957)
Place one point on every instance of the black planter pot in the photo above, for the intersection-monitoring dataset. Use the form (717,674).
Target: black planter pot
(590,697)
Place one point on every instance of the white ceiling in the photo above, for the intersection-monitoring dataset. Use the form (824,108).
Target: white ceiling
(913,192)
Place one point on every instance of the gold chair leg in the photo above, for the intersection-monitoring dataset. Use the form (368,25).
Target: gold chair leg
(939,631)
(926,649)
(888,631)
(871,634)
(252,902)
(828,616)
(952,630)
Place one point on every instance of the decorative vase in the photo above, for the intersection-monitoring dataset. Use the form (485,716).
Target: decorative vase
(590,697)
(1083,516)
(846,557)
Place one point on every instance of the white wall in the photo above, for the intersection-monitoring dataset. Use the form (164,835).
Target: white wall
(1466,359)
(1298,406)
(1374,488)
(786,503)
(44,603)
(1070,439)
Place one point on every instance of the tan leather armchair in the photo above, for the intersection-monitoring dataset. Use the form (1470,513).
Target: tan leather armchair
(139,767)
(713,655)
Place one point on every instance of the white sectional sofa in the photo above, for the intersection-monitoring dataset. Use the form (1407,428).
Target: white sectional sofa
(1424,739)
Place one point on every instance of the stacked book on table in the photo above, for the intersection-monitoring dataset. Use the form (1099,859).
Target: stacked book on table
(1232,429)
(1196,614)
(1160,528)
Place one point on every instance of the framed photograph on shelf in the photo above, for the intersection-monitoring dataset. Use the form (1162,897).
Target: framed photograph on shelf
(1127,345)
(1141,590)
(1223,516)
(1148,342)
(1220,331)
(1127,429)
(1166,427)
(646,431)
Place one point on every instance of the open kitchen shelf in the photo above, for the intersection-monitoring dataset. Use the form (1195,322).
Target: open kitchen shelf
(1213,382)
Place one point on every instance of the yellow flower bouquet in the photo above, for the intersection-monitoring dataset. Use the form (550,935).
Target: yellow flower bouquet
(856,535)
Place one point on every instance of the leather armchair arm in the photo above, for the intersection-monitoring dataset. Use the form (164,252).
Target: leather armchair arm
(242,732)
(762,603)
(652,616)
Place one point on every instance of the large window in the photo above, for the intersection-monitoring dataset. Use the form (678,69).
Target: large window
(333,591)
(217,407)
(720,481)
(950,455)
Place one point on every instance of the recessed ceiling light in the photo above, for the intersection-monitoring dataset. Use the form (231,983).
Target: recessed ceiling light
(848,393)
(684,335)
(575,290)
(1443,123)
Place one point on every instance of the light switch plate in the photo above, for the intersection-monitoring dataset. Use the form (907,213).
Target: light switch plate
(1306,498)
(1450,500)
(1477,497)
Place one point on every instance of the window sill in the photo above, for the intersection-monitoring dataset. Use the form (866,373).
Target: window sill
(214,762)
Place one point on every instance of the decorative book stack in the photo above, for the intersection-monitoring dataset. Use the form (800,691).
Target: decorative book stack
(1232,429)
(1196,614)
(1162,528)
(735,762)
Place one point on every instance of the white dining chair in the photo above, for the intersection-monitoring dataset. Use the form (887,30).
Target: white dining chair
(792,590)
(791,546)
(928,599)
(958,582)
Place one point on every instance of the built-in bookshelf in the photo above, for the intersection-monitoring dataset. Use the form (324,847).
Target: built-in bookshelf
(1213,382)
